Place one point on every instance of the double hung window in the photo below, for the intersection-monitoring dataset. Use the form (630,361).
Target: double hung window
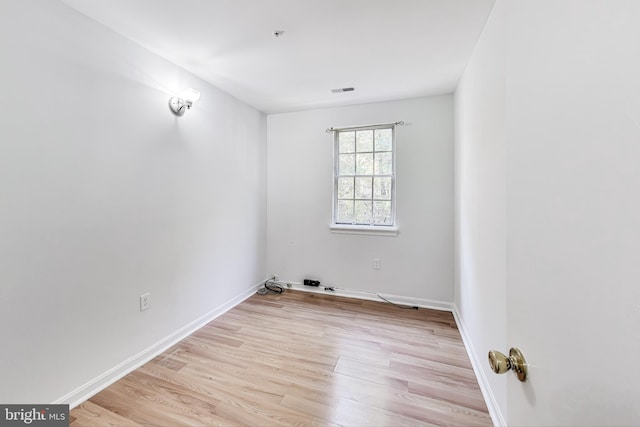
(364,177)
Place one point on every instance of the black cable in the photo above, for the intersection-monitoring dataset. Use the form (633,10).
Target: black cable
(274,287)
(406,307)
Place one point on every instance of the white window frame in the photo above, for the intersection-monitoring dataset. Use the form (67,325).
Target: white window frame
(368,229)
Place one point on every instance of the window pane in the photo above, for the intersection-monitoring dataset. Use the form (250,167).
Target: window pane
(363,188)
(347,164)
(345,188)
(345,212)
(364,164)
(382,213)
(363,212)
(364,140)
(382,188)
(347,142)
(383,139)
(383,163)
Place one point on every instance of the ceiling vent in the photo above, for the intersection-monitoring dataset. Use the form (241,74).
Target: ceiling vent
(343,89)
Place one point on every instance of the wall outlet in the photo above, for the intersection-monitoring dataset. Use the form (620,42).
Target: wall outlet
(275,276)
(376,264)
(145,301)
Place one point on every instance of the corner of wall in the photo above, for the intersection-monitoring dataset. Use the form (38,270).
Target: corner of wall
(480,208)
(492,404)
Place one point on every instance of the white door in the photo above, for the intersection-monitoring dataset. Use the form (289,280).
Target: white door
(573,211)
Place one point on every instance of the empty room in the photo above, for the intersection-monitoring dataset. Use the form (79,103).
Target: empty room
(319,212)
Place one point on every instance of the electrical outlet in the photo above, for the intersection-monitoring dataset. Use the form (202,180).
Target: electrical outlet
(376,263)
(145,301)
(276,277)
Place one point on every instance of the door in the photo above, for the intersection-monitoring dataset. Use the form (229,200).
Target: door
(573,211)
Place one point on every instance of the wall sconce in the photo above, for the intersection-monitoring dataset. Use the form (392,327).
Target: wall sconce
(185,99)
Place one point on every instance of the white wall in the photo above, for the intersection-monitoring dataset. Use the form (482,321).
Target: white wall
(106,195)
(417,263)
(480,228)
(570,131)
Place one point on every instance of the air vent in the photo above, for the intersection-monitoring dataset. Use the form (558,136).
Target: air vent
(343,89)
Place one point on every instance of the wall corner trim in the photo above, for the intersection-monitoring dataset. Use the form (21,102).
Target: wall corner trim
(476,363)
(91,388)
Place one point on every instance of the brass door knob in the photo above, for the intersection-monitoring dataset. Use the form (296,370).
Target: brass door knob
(500,363)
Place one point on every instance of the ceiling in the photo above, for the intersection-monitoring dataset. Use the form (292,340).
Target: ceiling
(385,49)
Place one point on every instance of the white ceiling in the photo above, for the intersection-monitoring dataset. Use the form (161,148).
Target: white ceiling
(385,49)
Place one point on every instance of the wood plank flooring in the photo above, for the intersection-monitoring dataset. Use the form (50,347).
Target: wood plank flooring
(302,359)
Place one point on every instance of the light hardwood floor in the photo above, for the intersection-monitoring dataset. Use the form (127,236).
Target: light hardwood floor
(306,360)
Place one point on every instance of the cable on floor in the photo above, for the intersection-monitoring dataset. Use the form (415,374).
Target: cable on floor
(270,286)
(406,307)
(273,286)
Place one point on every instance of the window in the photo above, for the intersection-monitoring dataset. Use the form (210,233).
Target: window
(364,178)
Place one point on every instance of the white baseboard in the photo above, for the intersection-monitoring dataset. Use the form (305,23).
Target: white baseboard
(86,391)
(372,296)
(477,363)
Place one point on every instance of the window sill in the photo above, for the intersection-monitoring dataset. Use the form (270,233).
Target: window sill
(364,229)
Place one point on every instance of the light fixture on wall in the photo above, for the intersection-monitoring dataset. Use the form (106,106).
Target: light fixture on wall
(185,99)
